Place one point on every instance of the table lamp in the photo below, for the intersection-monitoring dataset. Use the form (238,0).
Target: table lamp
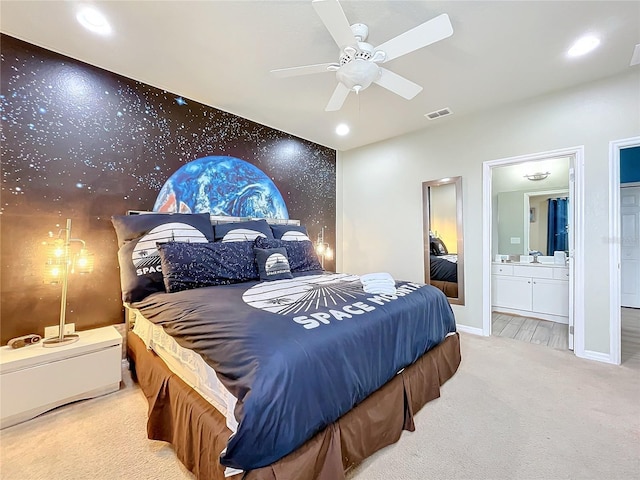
(61,261)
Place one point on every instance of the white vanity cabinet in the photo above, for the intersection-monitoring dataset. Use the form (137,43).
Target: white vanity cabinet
(538,291)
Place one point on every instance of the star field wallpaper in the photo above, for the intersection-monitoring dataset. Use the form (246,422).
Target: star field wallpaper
(83,143)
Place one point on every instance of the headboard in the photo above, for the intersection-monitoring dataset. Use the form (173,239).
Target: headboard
(216,219)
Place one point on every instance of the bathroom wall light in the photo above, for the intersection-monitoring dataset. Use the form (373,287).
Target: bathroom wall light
(537,176)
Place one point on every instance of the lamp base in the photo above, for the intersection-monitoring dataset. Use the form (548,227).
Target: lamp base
(58,342)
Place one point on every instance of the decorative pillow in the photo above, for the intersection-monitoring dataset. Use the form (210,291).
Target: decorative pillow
(302,255)
(242,231)
(290,232)
(140,269)
(273,263)
(195,265)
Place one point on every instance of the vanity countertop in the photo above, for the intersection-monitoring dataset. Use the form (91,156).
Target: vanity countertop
(531,264)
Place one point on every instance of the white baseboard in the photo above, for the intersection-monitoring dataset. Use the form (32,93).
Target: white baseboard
(472,330)
(598,357)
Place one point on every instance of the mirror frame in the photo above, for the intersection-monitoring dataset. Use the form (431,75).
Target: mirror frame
(457,181)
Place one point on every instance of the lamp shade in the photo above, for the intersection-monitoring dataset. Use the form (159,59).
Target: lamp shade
(84,262)
(53,273)
(358,74)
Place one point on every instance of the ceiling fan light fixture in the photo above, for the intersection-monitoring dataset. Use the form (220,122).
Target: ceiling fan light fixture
(358,73)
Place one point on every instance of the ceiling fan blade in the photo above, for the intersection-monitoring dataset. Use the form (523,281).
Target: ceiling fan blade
(432,31)
(303,70)
(333,17)
(337,99)
(398,84)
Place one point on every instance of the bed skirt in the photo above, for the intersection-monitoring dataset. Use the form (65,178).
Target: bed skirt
(198,432)
(450,289)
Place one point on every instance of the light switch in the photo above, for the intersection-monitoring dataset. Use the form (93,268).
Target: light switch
(515,240)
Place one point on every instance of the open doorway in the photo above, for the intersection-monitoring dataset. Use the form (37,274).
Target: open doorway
(624,230)
(528,284)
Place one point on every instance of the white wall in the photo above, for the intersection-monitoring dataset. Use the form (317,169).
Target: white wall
(380,204)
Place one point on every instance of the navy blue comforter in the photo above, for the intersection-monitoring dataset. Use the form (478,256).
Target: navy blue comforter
(299,353)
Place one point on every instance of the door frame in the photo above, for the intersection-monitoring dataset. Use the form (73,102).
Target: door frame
(615,254)
(576,281)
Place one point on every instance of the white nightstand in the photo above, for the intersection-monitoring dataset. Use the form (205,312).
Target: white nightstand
(35,379)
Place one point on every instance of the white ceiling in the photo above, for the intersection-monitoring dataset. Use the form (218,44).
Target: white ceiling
(220,53)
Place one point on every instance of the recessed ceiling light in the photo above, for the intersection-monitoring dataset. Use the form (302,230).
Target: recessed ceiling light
(93,20)
(583,46)
(342,129)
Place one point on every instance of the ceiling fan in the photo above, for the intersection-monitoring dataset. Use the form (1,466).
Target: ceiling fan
(359,62)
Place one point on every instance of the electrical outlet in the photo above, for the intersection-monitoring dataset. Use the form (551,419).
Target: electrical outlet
(515,240)
(54,330)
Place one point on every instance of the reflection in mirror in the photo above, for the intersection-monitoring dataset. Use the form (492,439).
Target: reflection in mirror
(520,208)
(442,236)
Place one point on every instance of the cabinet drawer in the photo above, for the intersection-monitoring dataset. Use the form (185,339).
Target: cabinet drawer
(500,269)
(31,391)
(561,273)
(533,271)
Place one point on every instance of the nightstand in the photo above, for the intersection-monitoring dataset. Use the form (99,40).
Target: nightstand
(35,379)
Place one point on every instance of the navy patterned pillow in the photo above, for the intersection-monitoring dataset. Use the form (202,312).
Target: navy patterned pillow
(302,255)
(195,265)
(290,232)
(140,269)
(242,231)
(273,263)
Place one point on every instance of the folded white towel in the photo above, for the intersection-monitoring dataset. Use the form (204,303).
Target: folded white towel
(376,276)
(389,289)
(379,283)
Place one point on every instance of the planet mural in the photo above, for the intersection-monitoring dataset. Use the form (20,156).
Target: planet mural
(221,186)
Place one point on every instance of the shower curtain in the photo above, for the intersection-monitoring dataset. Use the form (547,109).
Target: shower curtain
(558,225)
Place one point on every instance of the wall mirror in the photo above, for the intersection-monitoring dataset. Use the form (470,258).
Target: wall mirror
(442,237)
(521,208)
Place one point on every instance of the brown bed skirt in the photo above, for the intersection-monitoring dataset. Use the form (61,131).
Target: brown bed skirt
(450,289)
(198,432)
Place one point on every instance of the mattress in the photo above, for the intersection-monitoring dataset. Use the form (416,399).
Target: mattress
(188,366)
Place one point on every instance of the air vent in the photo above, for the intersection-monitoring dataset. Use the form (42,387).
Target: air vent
(438,113)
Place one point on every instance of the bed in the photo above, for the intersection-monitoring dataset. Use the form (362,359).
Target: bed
(443,267)
(299,376)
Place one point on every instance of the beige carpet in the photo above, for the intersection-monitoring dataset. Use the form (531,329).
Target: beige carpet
(513,411)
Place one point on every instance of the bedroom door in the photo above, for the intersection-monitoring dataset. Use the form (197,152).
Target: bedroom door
(630,246)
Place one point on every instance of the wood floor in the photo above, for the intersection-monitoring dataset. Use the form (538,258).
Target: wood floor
(555,335)
(630,337)
(532,330)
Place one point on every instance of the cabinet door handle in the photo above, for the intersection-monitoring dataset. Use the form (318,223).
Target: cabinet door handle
(528,281)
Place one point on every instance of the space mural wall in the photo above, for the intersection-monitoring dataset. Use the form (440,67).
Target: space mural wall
(82,143)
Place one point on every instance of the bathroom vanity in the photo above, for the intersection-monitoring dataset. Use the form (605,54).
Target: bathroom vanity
(534,290)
